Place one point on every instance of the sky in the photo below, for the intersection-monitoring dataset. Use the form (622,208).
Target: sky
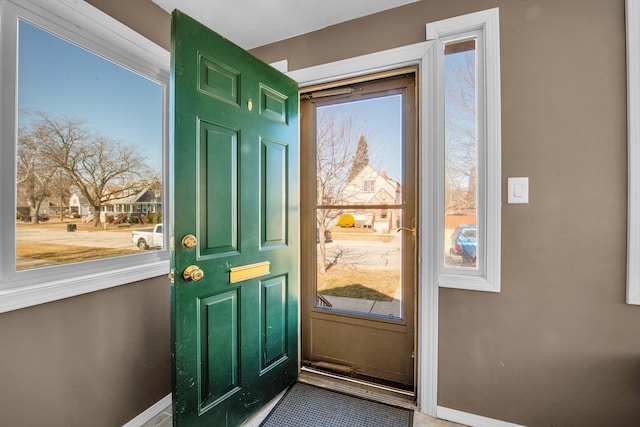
(60,78)
(381,120)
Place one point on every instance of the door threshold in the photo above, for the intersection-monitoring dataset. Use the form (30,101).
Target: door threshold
(358,388)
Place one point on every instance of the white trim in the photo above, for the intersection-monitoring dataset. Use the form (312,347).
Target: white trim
(471,419)
(422,55)
(485,27)
(22,297)
(461,24)
(633,147)
(361,65)
(150,413)
(90,28)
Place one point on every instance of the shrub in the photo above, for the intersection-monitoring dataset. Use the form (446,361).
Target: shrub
(154,217)
(346,221)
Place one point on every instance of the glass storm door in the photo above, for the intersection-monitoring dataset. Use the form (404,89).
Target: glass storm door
(234,229)
(358,225)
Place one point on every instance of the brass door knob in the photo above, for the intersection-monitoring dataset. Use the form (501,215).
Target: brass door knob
(189,241)
(192,273)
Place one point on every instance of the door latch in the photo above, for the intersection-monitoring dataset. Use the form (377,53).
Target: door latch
(192,273)
(412,230)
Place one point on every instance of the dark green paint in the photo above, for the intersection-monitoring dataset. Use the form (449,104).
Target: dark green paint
(234,186)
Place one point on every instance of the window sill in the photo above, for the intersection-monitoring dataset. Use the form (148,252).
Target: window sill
(14,299)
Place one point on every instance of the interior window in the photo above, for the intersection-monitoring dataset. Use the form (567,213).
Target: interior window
(469,145)
(89,153)
(84,105)
(461,154)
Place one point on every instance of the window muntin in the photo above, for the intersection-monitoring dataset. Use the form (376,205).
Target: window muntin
(369,186)
(85,26)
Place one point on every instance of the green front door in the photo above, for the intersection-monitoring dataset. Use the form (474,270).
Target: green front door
(234,294)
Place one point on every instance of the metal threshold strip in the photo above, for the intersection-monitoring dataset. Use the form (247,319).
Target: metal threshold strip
(357,381)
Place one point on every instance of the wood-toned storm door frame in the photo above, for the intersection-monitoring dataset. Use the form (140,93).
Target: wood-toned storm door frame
(387,335)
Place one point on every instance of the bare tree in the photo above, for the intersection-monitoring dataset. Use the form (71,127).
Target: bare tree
(35,177)
(461,129)
(92,163)
(336,139)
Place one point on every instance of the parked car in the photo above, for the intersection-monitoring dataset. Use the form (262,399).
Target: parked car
(41,218)
(148,238)
(328,237)
(463,243)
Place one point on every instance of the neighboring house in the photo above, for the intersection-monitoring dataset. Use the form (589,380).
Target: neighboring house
(78,204)
(146,200)
(369,188)
(121,201)
(49,206)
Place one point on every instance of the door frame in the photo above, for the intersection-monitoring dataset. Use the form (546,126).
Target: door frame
(423,56)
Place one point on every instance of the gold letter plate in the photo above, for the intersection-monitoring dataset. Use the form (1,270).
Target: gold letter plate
(251,271)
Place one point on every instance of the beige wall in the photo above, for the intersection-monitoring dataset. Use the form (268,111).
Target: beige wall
(558,346)
(99,359)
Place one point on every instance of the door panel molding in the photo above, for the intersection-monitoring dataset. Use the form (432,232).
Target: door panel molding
(219,162)
(218,329)
(274,205)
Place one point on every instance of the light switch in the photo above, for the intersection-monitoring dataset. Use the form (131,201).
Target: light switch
(518,190)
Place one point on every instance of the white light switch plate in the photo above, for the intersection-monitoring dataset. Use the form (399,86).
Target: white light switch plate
(518,190)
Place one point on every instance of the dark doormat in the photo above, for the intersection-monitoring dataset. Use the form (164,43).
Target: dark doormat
(305,405)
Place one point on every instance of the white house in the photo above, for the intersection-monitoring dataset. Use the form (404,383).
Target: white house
(372,188)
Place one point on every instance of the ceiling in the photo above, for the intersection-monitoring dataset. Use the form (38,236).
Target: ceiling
(253,23)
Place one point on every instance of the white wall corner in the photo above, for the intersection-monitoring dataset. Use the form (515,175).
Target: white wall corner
(633,148)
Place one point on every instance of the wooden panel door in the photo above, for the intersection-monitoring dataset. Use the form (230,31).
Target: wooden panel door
(233,228)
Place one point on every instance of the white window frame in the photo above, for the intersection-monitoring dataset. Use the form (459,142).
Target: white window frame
(369,186)
(84,25)
(485,27)
(633,148)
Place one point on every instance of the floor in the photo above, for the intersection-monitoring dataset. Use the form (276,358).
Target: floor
(419,419)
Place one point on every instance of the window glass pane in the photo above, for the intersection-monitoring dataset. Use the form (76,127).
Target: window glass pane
(358,155)
(359,206)
(89,154)
(461,155)
(363,265)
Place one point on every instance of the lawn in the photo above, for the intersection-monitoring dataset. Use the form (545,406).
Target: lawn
(367,234)
(64,254)
(346,281)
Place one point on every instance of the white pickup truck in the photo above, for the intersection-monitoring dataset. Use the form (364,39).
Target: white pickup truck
(148,238)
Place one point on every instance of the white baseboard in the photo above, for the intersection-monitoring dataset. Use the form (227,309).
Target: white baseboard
(471,419)
(150,413)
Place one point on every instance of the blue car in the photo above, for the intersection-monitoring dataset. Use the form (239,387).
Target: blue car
(463,243)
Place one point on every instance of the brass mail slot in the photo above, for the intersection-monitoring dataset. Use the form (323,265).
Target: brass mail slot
(251,271)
